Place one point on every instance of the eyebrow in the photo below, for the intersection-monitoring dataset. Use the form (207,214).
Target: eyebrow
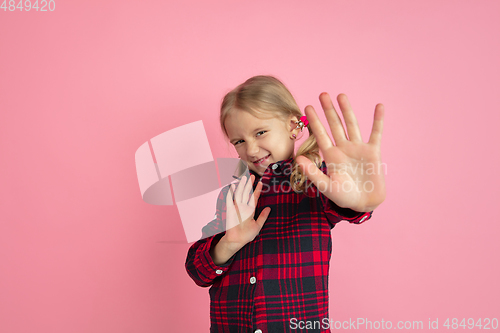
(255,130)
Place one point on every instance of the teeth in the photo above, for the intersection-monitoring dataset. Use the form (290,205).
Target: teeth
(263,158)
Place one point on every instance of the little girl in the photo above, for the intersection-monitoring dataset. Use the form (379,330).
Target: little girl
(271,274)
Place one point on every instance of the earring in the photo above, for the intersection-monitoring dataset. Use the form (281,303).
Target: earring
(294,136)
(301,123)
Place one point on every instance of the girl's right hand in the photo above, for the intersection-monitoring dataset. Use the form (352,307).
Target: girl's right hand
(241,228)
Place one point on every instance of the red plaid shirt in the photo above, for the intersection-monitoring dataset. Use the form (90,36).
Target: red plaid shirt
(283,273)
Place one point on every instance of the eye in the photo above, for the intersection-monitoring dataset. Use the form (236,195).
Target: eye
(237,142)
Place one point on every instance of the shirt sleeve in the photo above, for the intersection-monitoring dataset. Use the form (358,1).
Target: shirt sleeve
(335,214)
(199,264)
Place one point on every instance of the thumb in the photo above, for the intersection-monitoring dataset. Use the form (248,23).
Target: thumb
(263,216)
(312,172)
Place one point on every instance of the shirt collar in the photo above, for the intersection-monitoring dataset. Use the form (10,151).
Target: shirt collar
(282,168)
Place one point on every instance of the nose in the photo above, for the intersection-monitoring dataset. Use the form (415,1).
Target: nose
(252,149)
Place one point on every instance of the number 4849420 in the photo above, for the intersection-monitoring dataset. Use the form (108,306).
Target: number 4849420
(486,324)
(26,5)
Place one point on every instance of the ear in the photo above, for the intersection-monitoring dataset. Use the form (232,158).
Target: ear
(292,125)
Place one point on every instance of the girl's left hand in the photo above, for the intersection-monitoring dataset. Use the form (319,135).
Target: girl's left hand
(354,178)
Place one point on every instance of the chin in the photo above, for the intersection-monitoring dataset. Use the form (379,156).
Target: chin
(259,172)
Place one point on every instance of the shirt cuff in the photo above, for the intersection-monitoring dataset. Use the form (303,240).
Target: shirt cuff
(207,268)
(336,214)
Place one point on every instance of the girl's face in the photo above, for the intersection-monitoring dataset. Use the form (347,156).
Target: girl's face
(260,142)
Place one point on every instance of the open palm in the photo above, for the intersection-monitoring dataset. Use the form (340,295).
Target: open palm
(354,178)
(241,227)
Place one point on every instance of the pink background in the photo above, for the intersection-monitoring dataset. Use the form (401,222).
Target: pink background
(81,88)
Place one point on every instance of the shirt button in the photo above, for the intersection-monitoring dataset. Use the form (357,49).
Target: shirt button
(274,166)
(219,271)
(253,279)
(258,331)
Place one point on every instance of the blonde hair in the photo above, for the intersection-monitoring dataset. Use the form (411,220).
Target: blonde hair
(267,97)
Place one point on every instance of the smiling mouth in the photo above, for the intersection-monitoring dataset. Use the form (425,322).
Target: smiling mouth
(261,160)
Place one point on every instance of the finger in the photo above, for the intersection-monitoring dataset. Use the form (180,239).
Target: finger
(235,203)
(256,194)
(247,190)
(333,119)
(230,210)
(239,189)
(313,173)
(263,217)
(241,201)
(350,120)
(324,141)
(378,125)
(232,189)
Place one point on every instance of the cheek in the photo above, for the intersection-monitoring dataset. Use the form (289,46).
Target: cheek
(240,151)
